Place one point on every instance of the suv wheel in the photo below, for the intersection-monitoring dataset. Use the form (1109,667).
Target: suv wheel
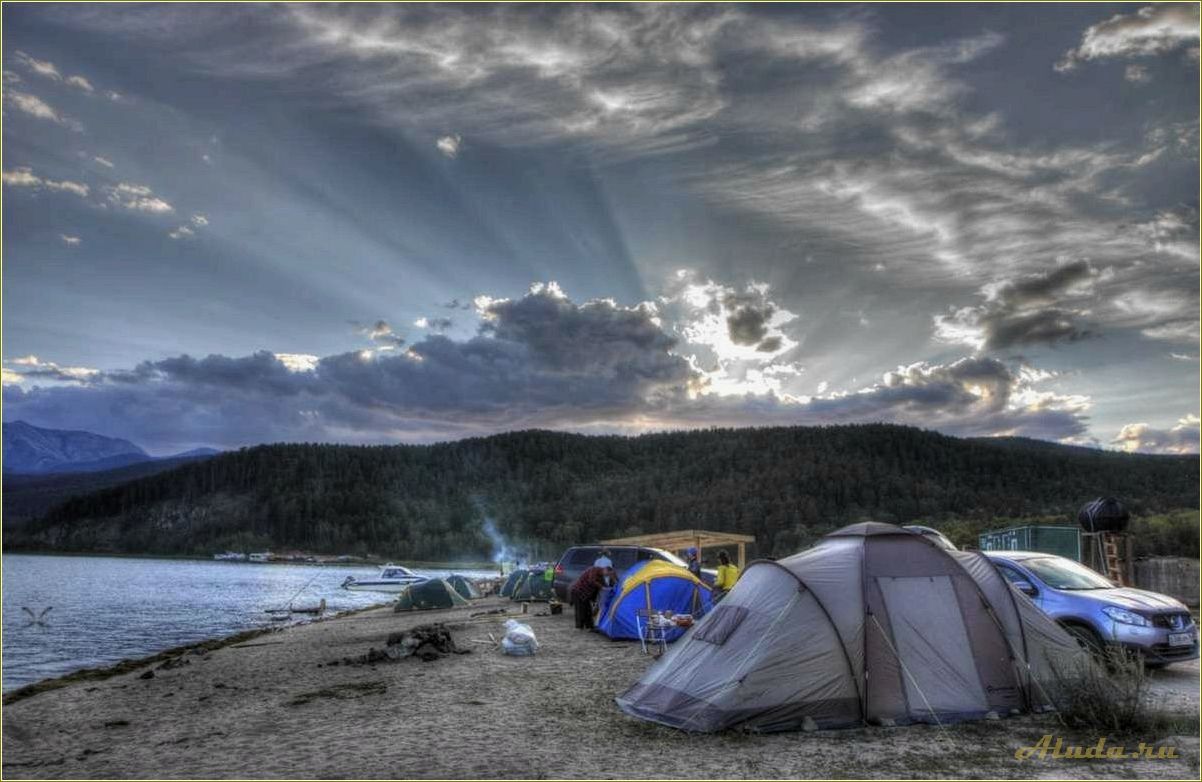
(1087,639)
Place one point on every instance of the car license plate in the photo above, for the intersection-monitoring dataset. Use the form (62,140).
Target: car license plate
(1181,639)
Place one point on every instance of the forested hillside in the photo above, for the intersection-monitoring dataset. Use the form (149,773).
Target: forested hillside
(786,486)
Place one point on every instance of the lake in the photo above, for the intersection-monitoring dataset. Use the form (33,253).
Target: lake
(107,609)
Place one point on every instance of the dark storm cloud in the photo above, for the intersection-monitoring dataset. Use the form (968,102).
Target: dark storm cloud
(748,325)
(1030,310)
(967,397)
(541,360)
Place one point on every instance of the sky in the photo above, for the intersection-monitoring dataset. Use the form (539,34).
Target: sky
(234,224)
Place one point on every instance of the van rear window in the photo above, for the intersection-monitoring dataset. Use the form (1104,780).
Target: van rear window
(583,557)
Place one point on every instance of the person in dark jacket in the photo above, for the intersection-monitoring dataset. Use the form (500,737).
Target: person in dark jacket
(584,591)
(694,562)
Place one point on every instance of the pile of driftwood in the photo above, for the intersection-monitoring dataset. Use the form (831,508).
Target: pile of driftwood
(424,642)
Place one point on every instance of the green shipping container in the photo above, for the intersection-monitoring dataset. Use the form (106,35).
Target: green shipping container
(1063,541)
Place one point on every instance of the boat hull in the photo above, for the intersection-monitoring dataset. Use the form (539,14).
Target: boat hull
(380,586)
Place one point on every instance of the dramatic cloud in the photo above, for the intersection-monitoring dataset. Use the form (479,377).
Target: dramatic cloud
(449,145)
(1181,438)
(865,168)
(540,360)
(24,177)
(734,338)
(137,198)
(1026,311)
(1153,29)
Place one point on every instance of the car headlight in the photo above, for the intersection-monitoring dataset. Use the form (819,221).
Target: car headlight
(1123,616)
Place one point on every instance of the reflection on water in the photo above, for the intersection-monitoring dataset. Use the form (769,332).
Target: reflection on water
(107,609)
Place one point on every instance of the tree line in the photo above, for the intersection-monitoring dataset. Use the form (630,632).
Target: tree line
(786,486)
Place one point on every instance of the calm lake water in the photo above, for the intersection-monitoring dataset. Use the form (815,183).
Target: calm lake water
(107,609)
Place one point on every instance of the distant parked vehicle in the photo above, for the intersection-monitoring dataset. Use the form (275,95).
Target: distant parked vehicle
(579,558)
(932,534)
(1100,615)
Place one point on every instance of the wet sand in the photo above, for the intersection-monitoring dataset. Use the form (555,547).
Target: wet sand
(273,707)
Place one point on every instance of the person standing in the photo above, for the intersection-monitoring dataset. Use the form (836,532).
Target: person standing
(728,574)
(694,562)
(584,591)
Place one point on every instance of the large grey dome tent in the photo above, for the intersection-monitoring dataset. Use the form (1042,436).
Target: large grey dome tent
(874,625)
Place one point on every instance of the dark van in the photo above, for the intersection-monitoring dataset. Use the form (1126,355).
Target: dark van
(579,558)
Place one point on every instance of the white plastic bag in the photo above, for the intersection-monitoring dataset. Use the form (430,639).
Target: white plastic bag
(519,639)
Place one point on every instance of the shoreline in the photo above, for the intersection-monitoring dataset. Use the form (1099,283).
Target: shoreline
(101,673)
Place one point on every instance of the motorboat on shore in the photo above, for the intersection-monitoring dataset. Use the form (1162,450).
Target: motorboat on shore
(392,578)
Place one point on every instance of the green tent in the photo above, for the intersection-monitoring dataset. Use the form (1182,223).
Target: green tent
(435,593)
(533,586)
(511,581)
(465,588)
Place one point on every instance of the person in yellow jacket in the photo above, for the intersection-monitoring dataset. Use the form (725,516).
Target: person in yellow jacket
(728,574)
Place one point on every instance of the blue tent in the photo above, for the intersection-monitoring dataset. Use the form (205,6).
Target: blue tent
(654,585)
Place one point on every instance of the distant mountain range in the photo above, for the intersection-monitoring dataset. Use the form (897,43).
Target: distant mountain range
(33,450)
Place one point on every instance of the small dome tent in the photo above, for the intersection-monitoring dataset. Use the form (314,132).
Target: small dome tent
(424,595)
(652,585)
(466,589)
(510,581)
(533,586)
(942,633)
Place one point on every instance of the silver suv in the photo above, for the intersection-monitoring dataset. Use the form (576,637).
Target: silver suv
(1099,614)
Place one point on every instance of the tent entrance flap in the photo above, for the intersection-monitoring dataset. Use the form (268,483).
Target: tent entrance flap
(931,642)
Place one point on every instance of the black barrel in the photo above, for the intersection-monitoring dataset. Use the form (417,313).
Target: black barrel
(1105,514)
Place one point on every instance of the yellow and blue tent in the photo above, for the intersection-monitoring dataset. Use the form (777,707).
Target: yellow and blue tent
(653,585)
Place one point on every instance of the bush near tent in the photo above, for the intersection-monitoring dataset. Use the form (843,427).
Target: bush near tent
(435,593)
(943,634)
(533,586)
(464,587)
(652,585)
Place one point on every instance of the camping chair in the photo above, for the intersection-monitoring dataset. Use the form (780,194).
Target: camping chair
(650,632)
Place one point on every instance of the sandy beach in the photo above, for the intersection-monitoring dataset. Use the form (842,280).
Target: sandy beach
(274,707)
